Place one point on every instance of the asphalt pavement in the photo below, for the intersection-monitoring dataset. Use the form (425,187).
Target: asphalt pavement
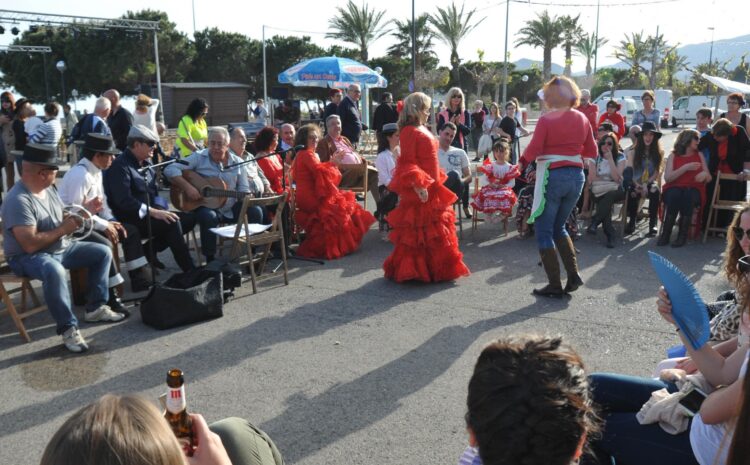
(344,367)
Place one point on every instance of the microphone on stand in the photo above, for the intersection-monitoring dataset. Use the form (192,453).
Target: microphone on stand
(255,159)
(164,163)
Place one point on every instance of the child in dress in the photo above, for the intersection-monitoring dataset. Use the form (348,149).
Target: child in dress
(496,199)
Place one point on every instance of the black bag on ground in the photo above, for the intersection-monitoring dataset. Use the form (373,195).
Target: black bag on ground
(183,299)
(231,273)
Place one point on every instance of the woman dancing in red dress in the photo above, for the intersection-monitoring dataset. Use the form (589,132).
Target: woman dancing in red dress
(423,230)
(333,221)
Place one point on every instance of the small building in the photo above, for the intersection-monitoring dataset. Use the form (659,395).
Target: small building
(227,101)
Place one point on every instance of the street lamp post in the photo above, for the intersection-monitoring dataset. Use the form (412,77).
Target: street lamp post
(710,57)
(61,67)
(74,94)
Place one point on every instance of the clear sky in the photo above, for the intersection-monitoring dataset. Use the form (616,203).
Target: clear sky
(683,21)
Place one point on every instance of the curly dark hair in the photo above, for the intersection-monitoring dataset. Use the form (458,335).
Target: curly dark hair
(264,138)
(529,402)
(196,107)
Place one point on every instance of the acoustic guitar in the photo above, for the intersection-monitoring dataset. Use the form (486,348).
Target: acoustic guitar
(214,193)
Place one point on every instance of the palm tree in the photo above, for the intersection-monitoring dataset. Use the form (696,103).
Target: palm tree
(545,33)
(452,26)
(658,49)
(587,48)
(571,36)
(633,51)
(358,26)
(673,64)
(424,38)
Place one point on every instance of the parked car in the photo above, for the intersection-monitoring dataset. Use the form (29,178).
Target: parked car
(684,108)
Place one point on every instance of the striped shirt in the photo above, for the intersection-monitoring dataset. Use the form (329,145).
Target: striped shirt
(49,132)
(470,457)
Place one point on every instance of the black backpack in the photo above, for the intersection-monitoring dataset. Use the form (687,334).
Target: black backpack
(77,132)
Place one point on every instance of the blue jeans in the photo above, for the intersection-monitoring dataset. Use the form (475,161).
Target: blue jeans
(619,398)
(50,269)
(564,186)
(208,218)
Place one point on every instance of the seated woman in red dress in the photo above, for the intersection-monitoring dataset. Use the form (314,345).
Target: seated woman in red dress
(333,221)
(265,142)
(423,230)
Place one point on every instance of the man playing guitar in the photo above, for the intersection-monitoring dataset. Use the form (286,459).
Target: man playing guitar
(212,163)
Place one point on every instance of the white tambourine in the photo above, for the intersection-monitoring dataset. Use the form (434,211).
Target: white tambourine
(84,217)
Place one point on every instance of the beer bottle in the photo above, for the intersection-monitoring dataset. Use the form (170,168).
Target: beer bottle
(176,413)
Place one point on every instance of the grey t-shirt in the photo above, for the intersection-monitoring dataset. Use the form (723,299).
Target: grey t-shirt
(454,159)
(22,208)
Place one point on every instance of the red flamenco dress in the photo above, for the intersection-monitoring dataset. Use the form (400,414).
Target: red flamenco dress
(497,197)
(333,221)
(424,234)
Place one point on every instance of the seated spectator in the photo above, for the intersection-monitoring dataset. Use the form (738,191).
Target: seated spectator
(605,182)
(333,221)
(729,152)
(730,327)
(259,185)
(643,176)
(528,403)
(351,176)
(497,198)
(50,131)
(455,162)
(704,117)
(685,178)
(286,134)
(388,152)
(37,245)
(272,166)
(129,430)
(739,454)
(613,116)
(621,397)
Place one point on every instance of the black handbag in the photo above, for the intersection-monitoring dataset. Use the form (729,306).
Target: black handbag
(183,299)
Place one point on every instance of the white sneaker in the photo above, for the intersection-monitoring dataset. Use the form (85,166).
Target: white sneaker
(103,314)
(74,341)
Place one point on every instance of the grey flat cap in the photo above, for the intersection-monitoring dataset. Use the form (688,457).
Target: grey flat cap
(390,127)
(139,131)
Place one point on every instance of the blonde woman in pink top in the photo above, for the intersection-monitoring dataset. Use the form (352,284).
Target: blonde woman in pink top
(562,139)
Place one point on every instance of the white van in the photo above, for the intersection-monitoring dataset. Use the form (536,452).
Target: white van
(685,107)
(663,101)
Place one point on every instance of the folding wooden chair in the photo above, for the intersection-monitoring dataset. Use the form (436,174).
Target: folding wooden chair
(360,169)
(716,204)
(27,292)
(266,238)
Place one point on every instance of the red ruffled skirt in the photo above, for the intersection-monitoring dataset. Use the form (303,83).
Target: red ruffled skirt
(335,228)
(424,235)
(491,200)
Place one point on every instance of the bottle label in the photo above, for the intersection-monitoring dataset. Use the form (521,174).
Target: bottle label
(176,399)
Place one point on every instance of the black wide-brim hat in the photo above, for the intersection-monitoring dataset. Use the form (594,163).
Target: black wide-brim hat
(99,143)
(41,154)
(651,127)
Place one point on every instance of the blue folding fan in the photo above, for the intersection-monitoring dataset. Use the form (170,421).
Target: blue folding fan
(688,309)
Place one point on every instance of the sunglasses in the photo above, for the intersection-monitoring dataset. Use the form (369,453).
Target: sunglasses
(743,264)
(739,233)
(150,143)
(609,143)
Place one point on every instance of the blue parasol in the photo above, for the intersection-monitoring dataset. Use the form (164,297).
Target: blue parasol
(331,72)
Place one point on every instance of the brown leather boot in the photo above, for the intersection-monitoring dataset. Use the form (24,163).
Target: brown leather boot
(552,268)
(570,262)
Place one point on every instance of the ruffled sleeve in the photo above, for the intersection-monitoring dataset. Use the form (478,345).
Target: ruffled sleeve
(408,174)
(512,173)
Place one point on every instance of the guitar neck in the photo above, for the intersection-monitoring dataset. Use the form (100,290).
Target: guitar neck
(212,192)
